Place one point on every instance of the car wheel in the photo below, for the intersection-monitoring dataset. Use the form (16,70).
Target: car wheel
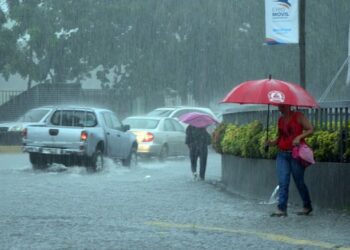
(163,154)
(96,162)
(131,161)
(38,161)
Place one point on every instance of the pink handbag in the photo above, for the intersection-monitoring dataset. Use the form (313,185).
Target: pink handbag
(304,154)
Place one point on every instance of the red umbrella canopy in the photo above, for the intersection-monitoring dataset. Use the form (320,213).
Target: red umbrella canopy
(270,91)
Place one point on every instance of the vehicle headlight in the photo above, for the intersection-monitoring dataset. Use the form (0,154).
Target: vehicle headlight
(16,128)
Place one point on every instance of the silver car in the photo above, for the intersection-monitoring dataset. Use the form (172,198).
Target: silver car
(158,136)
(31,117)
(177,111)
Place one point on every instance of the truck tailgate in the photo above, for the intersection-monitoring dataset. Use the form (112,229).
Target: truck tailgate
(57,137)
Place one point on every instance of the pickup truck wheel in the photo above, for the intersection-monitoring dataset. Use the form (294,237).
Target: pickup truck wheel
(95,163)
(131,161)
(38,161)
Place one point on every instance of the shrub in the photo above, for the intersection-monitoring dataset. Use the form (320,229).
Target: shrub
(249,141)
(325,145)
(250,135)
(217,137)
(272,151)
(229,144)
(347,151)
(239,140)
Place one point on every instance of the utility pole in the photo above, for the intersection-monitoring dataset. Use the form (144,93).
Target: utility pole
(348,76)
(302,59)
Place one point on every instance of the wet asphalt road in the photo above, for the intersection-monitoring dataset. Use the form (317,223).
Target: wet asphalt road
(152,206)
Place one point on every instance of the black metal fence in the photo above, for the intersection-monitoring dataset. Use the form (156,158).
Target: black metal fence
(15,103)
(329,116)
(7,95)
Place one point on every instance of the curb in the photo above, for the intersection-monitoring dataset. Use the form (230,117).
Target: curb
(10,149)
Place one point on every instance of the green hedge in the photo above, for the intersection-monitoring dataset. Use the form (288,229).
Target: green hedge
(248,141)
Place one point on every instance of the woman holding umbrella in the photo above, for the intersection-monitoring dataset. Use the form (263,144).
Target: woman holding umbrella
(293,128)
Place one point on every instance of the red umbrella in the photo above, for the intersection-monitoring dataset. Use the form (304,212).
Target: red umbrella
(270,91)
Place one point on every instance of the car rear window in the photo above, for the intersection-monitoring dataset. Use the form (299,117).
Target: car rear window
(142,123)
(74,118)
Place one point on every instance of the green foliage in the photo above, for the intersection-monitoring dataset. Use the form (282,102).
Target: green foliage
(217,137)
(228,144)
(238,140)
(272,151)
(325,145)
(347,151)
(199,47)
(250,136)
(248,141)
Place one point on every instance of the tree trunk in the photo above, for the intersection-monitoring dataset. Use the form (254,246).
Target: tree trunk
(29,83)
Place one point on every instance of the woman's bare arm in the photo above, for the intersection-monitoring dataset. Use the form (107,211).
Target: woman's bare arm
(307,129)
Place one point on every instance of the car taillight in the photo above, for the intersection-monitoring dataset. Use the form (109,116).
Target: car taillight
(24,133)
(148,137)
(83,136)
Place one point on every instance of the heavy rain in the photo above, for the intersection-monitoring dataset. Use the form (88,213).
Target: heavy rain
(98,98)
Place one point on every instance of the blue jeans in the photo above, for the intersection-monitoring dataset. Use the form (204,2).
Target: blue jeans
(287,165)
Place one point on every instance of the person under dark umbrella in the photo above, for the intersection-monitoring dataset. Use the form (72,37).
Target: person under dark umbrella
(198,140)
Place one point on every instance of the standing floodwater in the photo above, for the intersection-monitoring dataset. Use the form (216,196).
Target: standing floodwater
(155,205)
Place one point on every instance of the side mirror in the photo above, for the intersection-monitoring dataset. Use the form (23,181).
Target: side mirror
(126,127)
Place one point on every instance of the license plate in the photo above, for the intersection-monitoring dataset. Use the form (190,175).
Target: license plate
(50,151)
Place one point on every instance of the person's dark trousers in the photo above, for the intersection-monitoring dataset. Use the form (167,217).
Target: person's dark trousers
(203,155)
(194,154)
(200,152)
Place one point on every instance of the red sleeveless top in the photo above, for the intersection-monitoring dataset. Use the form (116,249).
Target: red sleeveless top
(287,131)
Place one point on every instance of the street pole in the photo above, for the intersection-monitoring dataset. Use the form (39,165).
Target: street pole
(302,58)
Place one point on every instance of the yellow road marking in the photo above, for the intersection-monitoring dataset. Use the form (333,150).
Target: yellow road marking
(266,236)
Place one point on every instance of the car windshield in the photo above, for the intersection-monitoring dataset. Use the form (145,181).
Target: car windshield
(160,112)
(34,115)
(142,123)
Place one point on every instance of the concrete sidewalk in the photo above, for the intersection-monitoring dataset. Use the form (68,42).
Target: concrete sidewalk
(10,149)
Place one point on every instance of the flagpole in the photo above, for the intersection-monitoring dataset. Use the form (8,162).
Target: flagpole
(267,126)
(302,56)
(348,76)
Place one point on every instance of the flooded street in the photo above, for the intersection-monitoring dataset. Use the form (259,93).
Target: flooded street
(152,206)
(82,80)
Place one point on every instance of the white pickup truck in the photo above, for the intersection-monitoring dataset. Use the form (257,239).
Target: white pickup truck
(79,136)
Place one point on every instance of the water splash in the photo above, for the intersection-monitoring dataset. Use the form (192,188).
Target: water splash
(273,198)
